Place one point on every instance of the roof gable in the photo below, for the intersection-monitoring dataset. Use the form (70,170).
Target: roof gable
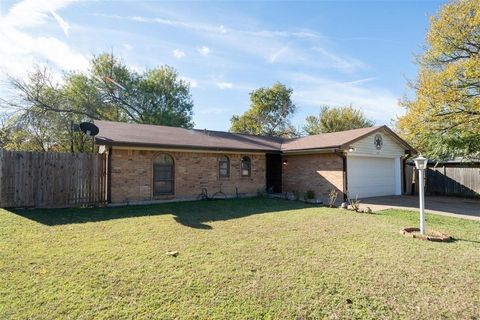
(380,143)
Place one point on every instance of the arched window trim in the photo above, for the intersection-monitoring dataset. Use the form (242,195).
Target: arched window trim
(163,175)
(223,166)
(245,166)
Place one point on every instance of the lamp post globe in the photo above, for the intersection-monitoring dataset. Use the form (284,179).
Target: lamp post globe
(421,163)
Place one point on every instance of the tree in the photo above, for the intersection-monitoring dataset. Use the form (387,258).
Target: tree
(269,113)
(108,91)
(442,120)
(166,98)
(334,119)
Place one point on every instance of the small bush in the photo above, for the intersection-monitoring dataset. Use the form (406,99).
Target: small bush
(296,195)
(354,203)
(332,197)
(309,195)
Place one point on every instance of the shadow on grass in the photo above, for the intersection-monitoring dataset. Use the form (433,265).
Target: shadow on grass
(192,214)
(465,240)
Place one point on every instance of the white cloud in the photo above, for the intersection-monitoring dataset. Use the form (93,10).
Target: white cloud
(61,22)
(128,46)
(193,82)
(179,54)
(20,50)
(264,43)
(222,29)
(377,103)
(30,13)
(340,62)
(225,85)
(174,23)
(277,54)
(204,50)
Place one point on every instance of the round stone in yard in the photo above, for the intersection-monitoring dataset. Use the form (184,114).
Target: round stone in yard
(430,236)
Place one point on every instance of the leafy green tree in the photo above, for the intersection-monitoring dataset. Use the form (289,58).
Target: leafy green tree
(334,119)
(166,98)
(108,91)
(269,113)
(442,120)
(42,122)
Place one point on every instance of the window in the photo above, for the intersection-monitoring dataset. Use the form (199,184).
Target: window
(163,175)
(246,167)
(223,167)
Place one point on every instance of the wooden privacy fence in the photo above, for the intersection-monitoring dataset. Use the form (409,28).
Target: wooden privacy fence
(455,180)
(459,179)
(48,180)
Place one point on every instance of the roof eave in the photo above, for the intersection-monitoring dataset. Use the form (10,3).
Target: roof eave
(100,141)
(330,149)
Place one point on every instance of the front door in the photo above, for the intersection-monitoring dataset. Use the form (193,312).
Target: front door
(274,173)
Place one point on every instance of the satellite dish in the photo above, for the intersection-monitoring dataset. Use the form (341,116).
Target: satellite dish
(89,129)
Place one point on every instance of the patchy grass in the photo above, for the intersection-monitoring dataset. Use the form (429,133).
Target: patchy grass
(253,258)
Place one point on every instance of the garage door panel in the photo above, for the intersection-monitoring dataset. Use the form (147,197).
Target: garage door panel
(370,176)
(386,177)
(381,180)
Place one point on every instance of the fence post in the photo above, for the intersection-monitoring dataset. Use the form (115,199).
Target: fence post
(1,177)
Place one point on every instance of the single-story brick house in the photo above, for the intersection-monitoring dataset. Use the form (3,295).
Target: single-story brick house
(147,162)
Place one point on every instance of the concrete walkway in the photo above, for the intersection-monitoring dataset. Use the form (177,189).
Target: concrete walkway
(448,206)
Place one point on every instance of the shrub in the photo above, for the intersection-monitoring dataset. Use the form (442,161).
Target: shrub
(332,197)
(354,203)
(296,195)
(309,195)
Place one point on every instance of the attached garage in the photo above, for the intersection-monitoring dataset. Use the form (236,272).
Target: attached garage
(364,162)
(372,176)
(374,166)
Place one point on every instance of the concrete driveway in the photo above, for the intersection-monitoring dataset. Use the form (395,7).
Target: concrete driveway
(449,206)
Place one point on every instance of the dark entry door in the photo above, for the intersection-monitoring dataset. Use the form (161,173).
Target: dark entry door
(274,173)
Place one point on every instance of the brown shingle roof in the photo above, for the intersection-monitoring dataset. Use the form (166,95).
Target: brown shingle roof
(327,140)
(127,134)
(119,133)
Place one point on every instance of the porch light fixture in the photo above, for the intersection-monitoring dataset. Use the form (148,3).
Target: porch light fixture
(285,162)
(351,149)
(421,165)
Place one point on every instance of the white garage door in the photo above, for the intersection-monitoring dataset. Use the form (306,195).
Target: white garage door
(370,176)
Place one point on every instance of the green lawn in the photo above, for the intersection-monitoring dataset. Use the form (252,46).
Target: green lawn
(238,259)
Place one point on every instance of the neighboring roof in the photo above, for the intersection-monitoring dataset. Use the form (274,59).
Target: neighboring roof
(120,133)
(127,134)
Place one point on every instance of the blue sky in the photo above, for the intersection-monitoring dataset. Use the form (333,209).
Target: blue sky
(334,53)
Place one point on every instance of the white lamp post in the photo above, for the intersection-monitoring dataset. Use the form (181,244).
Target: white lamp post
(421,164)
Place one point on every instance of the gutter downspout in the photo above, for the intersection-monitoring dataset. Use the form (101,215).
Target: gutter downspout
(407,155)
(342,155)
(109,175)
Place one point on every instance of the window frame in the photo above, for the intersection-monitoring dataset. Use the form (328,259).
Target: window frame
(172,176)
(221,161)
(242,162)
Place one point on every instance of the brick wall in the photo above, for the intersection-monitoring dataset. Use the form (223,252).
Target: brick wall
(317,172)
(132,175)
